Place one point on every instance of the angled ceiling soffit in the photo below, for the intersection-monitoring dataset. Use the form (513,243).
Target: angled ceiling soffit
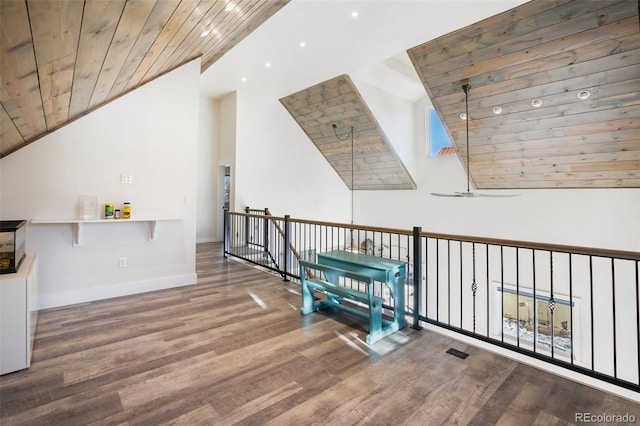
(370,162)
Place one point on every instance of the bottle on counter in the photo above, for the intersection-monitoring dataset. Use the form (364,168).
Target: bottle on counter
(126,210)
(108,210)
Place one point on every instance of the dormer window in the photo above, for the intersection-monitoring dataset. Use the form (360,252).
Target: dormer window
(438,142)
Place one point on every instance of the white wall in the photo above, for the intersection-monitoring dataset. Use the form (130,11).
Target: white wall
(208,179)
(396,118)
(152,134)
(602,218)
(278,167)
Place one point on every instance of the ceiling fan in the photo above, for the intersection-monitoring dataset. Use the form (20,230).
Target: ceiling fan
(468,194)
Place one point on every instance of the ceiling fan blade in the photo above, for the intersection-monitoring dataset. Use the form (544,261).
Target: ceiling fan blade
(469,194)
(476,194)
(439,194)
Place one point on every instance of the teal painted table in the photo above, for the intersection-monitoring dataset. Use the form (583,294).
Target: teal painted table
(387,271)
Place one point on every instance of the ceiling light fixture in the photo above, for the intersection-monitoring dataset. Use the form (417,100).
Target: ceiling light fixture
(463,116)
(468,194)
(584,94)
(354,14)
(497,110)
(536,103)
(267,64)
(230,7)
(244,79)
(303,44)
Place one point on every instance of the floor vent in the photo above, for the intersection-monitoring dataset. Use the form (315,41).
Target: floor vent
(457,353)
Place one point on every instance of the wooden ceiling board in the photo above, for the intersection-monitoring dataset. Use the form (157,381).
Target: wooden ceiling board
(546,50)
(20,96)
(162,12)
(131,23)
(61,59)
(172,26)
(265,10)
(55,32)
(9,135)
(99,24)
(371,160)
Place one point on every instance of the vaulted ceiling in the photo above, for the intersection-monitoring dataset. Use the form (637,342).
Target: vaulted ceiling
(356,147)
(60,59)
(555,94)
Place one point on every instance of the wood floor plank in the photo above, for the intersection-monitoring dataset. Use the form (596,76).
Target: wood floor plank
(234,350)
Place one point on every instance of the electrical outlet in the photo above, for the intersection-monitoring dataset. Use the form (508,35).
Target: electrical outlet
(125,178)
(123,262)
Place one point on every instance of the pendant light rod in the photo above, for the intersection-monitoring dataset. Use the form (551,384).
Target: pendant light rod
(353,185)
(466,88)
(351,132)
(468,194)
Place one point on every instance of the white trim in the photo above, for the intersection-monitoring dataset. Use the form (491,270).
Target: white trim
(84,295)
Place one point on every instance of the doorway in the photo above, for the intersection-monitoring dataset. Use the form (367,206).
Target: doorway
(224,197)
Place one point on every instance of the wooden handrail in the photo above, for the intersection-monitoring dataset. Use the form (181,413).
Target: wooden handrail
(562,248)
(281,232)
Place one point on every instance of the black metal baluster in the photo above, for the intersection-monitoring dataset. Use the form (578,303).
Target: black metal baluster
(437,279)
(502,293)
(448,282)
(613,300)
(461,301)
(535,303)
(486,246)
(225,232)
(474,285)
(593,356)
(518,297)
(571,306)
(265,239)
(247,225)
(287,247)
(552,305)
(638,317)
(417,259)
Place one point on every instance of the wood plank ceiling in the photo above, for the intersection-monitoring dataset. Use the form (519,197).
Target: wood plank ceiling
(60,59)
(551,51)
(370,162)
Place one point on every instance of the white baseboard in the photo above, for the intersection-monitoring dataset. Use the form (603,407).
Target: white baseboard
(66,298)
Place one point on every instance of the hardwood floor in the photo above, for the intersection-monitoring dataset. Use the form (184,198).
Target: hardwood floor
(234,349)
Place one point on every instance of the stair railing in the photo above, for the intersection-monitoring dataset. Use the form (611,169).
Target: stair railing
(574,307)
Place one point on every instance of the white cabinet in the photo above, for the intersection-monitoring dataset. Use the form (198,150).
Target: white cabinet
(18,315)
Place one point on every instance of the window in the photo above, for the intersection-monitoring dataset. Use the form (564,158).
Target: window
(438,139)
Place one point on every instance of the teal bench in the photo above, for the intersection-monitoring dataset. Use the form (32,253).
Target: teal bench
(336,293)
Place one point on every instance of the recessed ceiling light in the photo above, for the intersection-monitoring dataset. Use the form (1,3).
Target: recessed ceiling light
(303,44)
(463,116)
(230,7)
(536,103)
(244,79)
(584,94)
(354,14)
(204,33)
(267,64)
(497,110)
